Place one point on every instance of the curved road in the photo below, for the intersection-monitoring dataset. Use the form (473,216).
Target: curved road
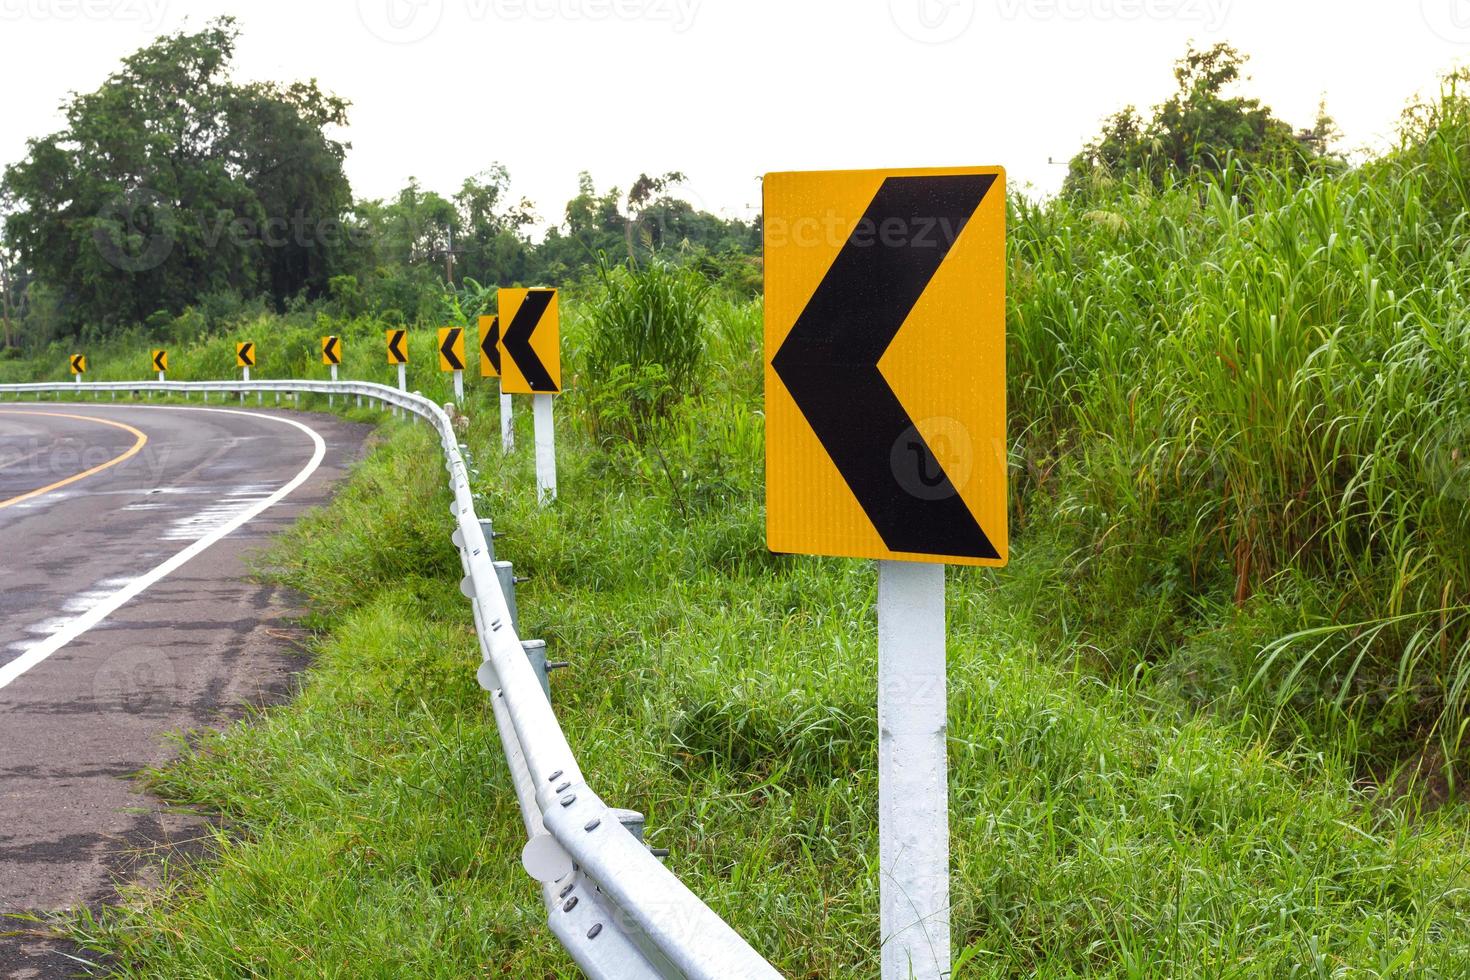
(126,614)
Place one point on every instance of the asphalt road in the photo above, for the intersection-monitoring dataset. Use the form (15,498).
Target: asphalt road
(126,613)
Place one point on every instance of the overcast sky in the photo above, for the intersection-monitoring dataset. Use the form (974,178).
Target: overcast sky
(725,90)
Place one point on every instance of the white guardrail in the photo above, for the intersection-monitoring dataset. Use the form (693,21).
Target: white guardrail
(610,901)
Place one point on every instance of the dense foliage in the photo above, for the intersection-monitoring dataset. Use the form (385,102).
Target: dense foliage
(1201,128)
(171,182)
(174,188)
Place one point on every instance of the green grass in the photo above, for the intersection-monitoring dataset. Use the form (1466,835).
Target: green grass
(1100,827)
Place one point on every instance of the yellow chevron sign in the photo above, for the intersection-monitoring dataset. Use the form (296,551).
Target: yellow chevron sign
(886,364)
(79,364)
(245,355)
(489,346)
(331,350)
(397,346)
(160,360)
(451,348)
(530,342)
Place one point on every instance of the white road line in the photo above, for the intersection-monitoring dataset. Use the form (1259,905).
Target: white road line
(97,613)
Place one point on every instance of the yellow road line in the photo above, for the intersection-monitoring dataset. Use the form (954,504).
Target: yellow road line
(137,447)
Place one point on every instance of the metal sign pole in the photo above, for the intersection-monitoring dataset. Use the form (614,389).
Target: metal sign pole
(913,787)
(402,383)
(507,420)
(545,449)
(332,399)
(247,381)
(459,387)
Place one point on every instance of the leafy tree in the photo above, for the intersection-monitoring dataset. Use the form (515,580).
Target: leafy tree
(492,233)
(171,182)
(12,292)
(1200,128)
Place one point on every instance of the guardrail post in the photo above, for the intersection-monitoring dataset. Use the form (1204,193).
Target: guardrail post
(536,654)
(506,574)
(490,536)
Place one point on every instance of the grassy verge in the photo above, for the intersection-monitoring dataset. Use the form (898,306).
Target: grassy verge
(1101,827)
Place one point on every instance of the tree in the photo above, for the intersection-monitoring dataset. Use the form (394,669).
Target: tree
(171,182)
(492,234)
(1199,128)
(6,294)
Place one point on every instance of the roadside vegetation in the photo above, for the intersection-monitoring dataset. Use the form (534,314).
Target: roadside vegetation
(1210,722)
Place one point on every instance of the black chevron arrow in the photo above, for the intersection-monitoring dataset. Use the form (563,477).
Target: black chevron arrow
(330,349)
(518,340)
(829,363)
(395,347)
(490,344)
(451,337)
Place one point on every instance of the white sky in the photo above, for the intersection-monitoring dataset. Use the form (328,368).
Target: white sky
(725,90)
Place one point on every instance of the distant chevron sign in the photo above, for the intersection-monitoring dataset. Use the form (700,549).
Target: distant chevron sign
(489,346)
(451,349)
(397,346)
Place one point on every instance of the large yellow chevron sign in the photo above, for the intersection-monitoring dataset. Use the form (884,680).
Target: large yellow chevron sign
(530,342)
(885,364)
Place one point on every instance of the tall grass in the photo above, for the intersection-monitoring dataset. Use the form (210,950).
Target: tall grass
(651,321)
(1250,387)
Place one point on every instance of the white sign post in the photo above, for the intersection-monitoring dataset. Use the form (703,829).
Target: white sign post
(913,788)
(459,387)
(545,449)
(332,399)
(402,383)
(247,381)
(507,420)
